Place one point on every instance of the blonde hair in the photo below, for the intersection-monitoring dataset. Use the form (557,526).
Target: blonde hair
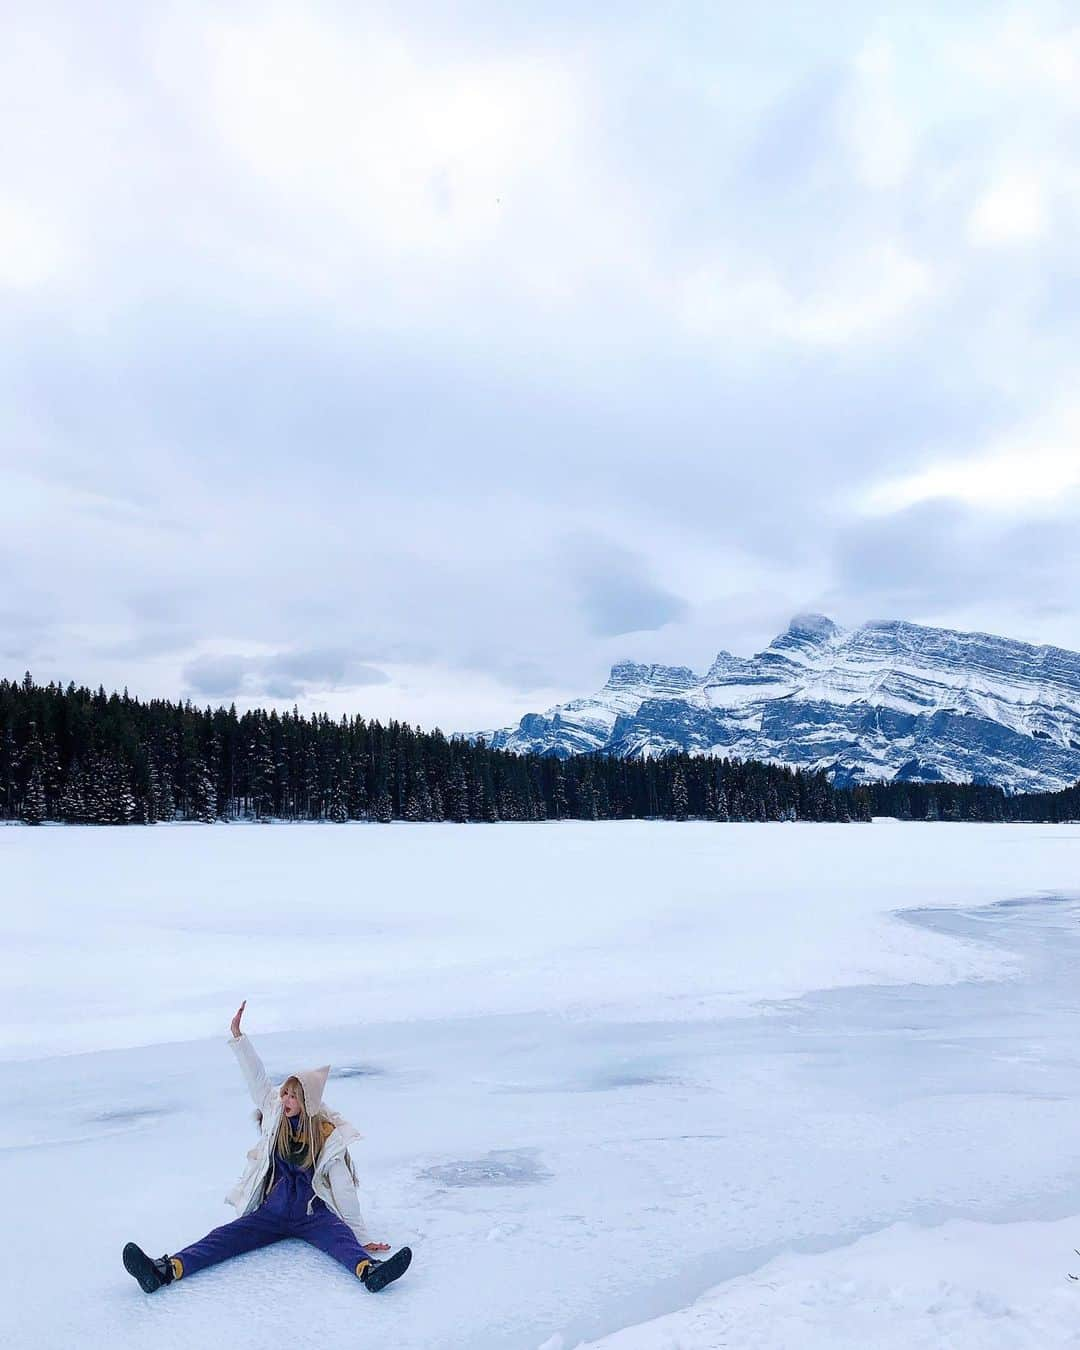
(310,1133)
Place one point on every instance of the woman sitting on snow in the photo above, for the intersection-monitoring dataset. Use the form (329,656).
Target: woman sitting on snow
(299,1183)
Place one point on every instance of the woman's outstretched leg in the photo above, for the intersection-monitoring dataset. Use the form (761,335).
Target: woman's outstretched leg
(323,1229)
(246,1234)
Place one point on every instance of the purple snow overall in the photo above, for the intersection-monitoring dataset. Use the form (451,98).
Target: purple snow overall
(290,1210)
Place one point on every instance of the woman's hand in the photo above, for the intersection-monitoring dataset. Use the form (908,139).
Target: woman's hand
(376,1246)
(234,1025)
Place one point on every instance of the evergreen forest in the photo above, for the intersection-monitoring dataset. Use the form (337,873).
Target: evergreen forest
(83,757)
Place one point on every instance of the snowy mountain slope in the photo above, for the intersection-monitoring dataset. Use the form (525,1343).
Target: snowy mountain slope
(882,701)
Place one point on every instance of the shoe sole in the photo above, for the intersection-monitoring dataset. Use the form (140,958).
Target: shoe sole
(137,1263)
(391,1269)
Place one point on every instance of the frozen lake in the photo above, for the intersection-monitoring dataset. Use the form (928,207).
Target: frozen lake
(601,1069)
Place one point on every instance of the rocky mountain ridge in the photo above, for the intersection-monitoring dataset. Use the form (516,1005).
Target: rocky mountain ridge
(885,700)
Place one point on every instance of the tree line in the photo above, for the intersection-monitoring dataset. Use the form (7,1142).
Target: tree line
(971,801)
(86,757)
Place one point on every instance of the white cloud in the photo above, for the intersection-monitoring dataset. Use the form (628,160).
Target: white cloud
(1034,470)
(1010,211)
(880,131)
(858,298)
(1023,50)
(31,250)
(408,149)
(874,292)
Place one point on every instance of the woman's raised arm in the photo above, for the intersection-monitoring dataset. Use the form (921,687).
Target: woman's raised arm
(256,1077)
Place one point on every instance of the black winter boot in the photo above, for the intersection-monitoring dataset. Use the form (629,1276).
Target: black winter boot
(381,1273)
(151,1274)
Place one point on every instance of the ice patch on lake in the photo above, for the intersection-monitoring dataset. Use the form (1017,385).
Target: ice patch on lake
(358,1071)
(502,1168)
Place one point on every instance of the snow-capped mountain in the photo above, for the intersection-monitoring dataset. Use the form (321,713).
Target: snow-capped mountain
(881,701)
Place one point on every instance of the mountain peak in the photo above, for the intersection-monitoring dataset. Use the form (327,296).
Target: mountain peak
(817,627)
(724,662)
(624,673)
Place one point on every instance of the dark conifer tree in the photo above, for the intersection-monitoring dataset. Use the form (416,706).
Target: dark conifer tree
(458,795)
(262,772)
(679,797)
(33,793)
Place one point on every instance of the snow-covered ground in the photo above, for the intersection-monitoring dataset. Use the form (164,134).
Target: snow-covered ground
(627,1084)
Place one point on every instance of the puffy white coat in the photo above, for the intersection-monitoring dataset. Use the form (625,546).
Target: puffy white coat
(334,1181)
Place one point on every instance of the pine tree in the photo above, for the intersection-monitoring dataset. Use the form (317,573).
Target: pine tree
(262,773)
(33,796)
(678,793)
(111,801)
(459,795)
(52,774)
(311,797)
(358,792)
(72,807)
(128,807)
(164,802)
(339,810)
(560,801)
(33,808)
(204,796)
(9,759)
(537,799)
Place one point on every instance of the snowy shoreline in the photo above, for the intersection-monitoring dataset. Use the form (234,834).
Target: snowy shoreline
(960,1285)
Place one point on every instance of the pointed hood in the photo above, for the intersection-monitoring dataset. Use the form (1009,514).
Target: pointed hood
(313,1081)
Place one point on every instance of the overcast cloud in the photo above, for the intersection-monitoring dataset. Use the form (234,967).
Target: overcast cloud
(423,360)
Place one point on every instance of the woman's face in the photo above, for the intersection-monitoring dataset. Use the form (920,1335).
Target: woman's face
(290,1100)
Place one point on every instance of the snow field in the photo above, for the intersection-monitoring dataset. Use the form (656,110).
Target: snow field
(127,937)
(601,1071)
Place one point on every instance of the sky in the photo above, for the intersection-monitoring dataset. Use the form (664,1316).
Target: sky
(423,360)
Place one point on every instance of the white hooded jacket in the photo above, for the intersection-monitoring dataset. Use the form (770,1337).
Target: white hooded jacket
(333,1181)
